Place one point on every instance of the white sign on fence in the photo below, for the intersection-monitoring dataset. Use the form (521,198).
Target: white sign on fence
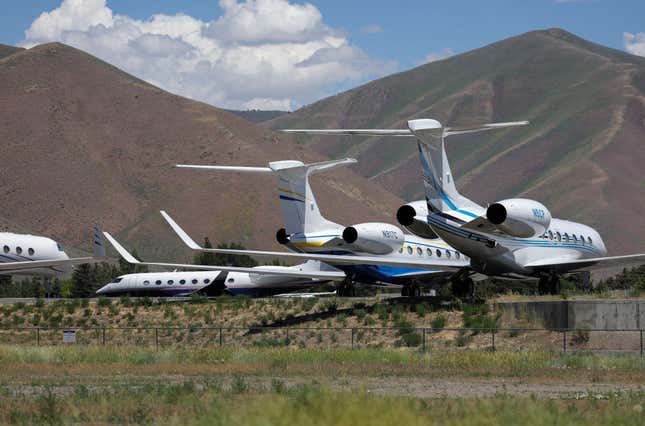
(69,336)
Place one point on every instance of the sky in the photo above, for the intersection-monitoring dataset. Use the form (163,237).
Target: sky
(283,54)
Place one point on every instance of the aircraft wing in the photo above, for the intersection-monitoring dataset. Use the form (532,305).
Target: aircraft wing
(268,270)
(28,265)
(589,264)
(417,263)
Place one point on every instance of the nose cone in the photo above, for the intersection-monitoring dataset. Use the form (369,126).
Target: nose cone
(103,290)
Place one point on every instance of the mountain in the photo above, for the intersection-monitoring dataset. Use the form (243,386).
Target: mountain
(84,142)
(257,115)
(582,155)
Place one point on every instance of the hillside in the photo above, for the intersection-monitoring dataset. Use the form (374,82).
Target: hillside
(582,155)
(84,142)
(257,115)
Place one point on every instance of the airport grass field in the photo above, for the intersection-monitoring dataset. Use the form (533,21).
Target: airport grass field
(312,376)
(285,386)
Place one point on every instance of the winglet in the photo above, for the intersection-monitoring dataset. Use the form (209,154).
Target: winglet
(99,246)
(180,232)
(119,248)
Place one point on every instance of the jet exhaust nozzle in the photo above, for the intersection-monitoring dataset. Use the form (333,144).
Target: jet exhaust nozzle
(350,235)
(281,236)
(496,213)
(405,215)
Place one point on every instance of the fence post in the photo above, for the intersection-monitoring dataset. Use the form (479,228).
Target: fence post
(423,339)
(156,338)
(104,336)
(492,332)
(38,338)
(220,336)
(641,342)
(353,331)
(564,341)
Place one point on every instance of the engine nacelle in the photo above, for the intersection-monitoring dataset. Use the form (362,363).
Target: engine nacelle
(281,236)
(376,238)
(519,217)
(413,216)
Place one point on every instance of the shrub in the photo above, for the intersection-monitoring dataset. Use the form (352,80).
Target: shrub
(411,339)
(438,323)
(39,302)
(421,309)
(125,301)
(369,321)
(103,302)
(196,298)
(581,335)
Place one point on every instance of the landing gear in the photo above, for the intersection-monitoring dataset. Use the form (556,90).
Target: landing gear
(549,284)
(411,291)
(463,288)
(346,289)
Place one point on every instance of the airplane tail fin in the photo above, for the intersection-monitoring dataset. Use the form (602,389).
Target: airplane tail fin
(99,245)
(440,189)
(300,211)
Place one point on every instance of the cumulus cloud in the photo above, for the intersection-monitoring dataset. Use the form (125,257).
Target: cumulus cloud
(437,56)
(634,43)
(257,54)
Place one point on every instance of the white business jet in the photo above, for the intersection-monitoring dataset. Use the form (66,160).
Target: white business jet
(24,254)
(258,281)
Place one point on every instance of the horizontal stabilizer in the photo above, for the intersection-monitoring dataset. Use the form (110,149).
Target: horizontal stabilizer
(227,168)
(293,271)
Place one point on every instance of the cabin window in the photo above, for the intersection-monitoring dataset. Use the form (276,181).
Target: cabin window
(194,281)
(457,255)
(409,250)
(182,282)
(429,251)
(438,253)
(170,282)
(158,282)
(206,281)
(558,236)
(589,240)
(146,282)
(550,235)
(18,250)
(31,251)
(419,251)
(448,253)
(6,249)
(401,250)
(230,280)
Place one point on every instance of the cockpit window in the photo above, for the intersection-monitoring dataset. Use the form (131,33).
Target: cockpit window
(59,247)
(589,240)
(558,236)
(117,280)
(550,235)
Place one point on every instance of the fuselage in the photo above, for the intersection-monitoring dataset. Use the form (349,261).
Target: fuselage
(207,282)
(411,246)
(499,254)
(25,248)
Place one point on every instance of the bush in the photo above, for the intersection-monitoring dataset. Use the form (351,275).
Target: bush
(421,309)
(581,335)
(411,339)
(438,323)
(103,302)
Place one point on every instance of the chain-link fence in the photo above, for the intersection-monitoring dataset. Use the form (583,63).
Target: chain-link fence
(424,339)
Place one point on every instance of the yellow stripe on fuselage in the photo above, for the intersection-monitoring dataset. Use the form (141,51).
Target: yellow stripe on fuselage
(308,244)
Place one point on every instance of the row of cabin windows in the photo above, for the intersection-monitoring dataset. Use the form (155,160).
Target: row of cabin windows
(567,238)
(429,252)
(7,249)
(181,282)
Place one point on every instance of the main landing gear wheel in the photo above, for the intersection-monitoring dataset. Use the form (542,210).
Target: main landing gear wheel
(346,289)
(411,291)
(463,288)
(549,284)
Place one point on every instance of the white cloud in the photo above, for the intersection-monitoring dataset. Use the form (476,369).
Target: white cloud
(437,56)
(634,43)
(371,29)
(257,54)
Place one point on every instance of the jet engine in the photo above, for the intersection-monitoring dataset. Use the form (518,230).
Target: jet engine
(413,216)
(281,236)
(519,217)
(374,237)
